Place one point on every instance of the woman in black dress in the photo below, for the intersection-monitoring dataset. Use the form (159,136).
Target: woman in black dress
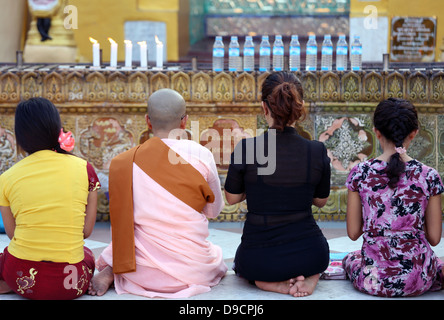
(281,175)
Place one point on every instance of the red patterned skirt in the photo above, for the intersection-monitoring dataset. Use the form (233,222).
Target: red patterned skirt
(40,280)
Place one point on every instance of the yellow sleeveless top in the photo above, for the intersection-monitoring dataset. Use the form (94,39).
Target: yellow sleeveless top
(47,193)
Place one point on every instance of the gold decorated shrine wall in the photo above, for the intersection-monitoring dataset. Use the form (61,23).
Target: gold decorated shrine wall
(104,109)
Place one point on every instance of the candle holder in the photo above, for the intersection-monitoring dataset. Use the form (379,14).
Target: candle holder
(19,58)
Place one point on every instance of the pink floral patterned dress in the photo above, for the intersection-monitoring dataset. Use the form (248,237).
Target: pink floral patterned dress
(396,258)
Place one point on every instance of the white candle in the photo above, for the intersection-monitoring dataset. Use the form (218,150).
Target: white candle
(113,59)
(128,53)
(143,54)
(159,53)
(96,52)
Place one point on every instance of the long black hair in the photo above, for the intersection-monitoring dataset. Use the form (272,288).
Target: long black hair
(395,119)
(37,126)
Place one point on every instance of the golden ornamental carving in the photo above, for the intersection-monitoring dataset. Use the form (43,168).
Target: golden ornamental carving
(417,85)
(96,87)
(372,87)
(395,86)
(117,87)
(244,87)
(201,87)
(437,87)
(31,86)
(159,81)
(138,87)
(223,87)
(9,87)
(53,87)
(180,82)
(260,80)
(310,83)
(75,85)
(329,87)
(351,87)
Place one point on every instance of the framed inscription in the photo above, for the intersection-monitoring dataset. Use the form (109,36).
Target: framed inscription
(413,39)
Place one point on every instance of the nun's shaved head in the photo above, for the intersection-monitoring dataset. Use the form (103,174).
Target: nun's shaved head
(165,109)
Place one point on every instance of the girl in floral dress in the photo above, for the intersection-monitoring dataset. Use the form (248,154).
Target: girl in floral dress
(394,201)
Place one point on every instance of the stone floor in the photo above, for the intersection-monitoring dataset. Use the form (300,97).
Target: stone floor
(227,235)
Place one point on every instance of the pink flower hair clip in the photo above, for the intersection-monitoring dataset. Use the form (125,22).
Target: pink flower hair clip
(401,150)
(66,140)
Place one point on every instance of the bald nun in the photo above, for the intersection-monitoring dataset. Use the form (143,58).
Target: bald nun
(159,212)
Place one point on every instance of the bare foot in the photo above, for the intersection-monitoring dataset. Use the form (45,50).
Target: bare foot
(279,287)
(4,288)
(304,286)
(101,282)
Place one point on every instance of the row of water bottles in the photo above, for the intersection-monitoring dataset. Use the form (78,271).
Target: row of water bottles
(237,63)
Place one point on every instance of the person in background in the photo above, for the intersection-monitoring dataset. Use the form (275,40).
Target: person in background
(282,249)
(48,202)
(394,201)
(162,193)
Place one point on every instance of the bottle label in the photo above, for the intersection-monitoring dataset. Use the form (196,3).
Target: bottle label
(312,50)
(356,50)
(248,51)
(218,52)
(264,51)
(279,51)
(327,50)
(342,50)
(234,52)
(295,51)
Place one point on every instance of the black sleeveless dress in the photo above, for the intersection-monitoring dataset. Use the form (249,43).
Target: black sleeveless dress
(280,239)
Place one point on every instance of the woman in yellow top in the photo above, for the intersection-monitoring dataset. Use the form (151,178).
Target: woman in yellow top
(48,202)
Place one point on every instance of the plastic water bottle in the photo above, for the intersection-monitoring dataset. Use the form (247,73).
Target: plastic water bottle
(218,54)
(248,54)
(356,54)
(278,53)
(295,54)
(327,53)
(234,58)
(312,54)
(264,54)
(341,54)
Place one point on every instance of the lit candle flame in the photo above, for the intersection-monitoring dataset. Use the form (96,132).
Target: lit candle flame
(158,42)
(92,40)
(127,41)
(112,41)
(141,43)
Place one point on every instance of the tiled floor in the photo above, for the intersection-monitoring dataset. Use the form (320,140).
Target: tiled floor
(227,235)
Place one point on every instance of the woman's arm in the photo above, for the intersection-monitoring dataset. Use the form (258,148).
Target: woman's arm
(90,214)
(354,215)
(320,202)
(433,220)
(234,198)
(8,221)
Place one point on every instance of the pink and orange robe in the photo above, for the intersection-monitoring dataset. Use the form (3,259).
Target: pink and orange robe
(161,194)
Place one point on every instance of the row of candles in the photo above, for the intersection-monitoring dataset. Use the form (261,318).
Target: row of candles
(128,53)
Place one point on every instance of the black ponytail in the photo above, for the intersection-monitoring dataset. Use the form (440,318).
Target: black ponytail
(395,119)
